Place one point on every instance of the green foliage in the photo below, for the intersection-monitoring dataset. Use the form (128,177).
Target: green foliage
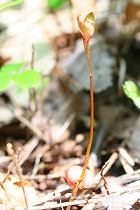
(26,79)
(10,4)
(9,68)
(131,91)
(5,81)
(55,4)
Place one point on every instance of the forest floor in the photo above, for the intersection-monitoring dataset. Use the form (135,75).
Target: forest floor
(41,137)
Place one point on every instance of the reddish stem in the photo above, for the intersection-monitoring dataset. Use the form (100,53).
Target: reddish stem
(75,190)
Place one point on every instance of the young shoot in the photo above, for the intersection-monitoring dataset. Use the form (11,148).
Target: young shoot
(86,27)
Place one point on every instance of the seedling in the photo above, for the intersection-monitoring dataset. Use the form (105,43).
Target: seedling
(28,79)
(11,73)
(86,28)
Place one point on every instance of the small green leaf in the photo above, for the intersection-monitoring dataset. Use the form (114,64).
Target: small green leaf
(27,79)
(10,68)
(5,80)
(55,4)
(131,91)
(10,4)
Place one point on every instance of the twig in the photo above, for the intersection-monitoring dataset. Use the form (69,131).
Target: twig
(105,183)
(49,205)
(65,126)
(128,169)
(27,150)
(126,156)
(96,201)
(110,161)
(32,91)
(48,197)
(32,127)
(36,165)
(9,171)
(33,56)
(11,153)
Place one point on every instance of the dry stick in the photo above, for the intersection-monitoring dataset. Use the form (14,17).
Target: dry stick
(11,152)
(75,190)
(97,201)
(110,161)
(12,165)
(33,56)
(32,127)
(72,37)
(105,183)
(32,93)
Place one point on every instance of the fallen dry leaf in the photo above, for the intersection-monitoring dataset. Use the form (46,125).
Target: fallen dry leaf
(11,193)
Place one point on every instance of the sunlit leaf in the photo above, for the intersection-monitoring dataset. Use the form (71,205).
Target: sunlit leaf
(5,80)
(27,79)
(9,68)
(131,91)
(55,4)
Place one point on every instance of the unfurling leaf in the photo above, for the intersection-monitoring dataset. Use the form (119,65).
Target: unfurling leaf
(86,26)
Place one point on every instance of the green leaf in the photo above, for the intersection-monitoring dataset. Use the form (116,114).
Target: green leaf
(27,79)
(131,91)
(10,68)
(55,4)
(43,82)
(10,4)
(5,80)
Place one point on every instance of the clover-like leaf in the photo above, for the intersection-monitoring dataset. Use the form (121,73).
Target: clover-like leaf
(86,26)
(27,79)
(10,68)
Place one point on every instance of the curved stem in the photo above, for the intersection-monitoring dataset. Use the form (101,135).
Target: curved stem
(87,50)
(75,190)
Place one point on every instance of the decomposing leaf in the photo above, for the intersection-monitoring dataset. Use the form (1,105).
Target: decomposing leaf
(11,193)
